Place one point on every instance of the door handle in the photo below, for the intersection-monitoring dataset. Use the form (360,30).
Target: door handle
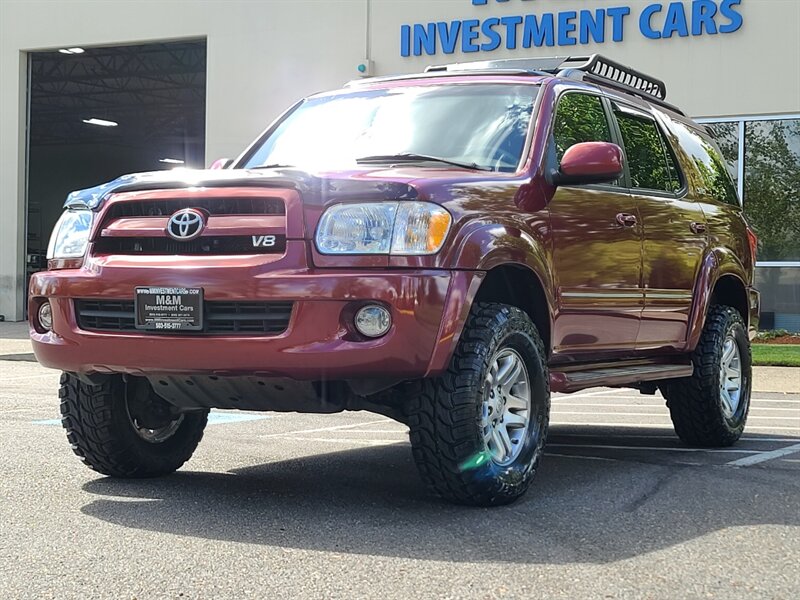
(698,227)
(627,220)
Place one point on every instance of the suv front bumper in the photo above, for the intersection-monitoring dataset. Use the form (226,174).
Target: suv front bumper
(428,309)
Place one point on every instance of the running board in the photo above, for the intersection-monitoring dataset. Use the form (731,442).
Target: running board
(627,375)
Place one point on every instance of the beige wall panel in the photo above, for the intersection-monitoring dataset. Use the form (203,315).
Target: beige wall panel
(755,70)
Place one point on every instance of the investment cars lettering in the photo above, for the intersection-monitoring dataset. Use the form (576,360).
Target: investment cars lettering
(569,28)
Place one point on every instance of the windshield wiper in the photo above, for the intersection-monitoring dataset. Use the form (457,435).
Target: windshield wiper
(274,166)
(411,157)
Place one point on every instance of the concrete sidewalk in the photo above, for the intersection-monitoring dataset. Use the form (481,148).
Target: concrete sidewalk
(14,341)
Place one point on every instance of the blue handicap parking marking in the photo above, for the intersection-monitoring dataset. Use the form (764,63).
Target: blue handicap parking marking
(221,418)
(214,418)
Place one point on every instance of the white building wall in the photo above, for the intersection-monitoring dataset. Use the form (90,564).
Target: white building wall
(265,54)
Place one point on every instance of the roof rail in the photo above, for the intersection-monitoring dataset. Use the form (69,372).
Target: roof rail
(596,68)
(434,74)
(537,66)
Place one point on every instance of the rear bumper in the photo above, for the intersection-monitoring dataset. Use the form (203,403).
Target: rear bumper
(428,309)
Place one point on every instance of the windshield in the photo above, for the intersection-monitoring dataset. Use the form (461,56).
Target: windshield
(482,126)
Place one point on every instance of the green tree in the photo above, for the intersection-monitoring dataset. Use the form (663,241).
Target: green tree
(772,187)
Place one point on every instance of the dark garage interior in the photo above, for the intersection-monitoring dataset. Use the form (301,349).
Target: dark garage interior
(146,110)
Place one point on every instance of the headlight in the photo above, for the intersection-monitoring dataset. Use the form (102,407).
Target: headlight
(398,228)
(71,235)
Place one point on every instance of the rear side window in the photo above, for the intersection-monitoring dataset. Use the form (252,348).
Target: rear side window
(650,162)
(579,118)
(708,175)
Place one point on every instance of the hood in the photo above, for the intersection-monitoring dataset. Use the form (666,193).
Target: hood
(319,189)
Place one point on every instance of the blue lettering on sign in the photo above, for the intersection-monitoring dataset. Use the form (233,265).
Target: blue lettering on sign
(656,21)
(536,33)
(646,21)
(675,21)
(490,34)
(618,15)
(470,35)
(735,20)
(512,24)
(593,26)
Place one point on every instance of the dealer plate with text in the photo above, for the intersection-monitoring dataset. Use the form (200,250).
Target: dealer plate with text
(169,309)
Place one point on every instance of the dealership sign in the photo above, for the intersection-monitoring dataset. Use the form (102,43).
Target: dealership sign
(570,27)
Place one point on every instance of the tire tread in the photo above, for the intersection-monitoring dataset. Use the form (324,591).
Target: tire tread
(441,411)
(693,402)
(88,416)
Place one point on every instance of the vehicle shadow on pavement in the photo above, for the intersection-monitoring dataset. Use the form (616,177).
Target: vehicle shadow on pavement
(370,501)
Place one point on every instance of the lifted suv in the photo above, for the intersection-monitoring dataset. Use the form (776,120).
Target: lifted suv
(444,248)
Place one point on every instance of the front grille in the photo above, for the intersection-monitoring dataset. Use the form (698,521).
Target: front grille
(105,315)
(214,206)
(247,317)
(222,245)
(219,318)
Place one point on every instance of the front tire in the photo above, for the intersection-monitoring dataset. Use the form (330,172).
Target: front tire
(709,409)
(123,429)
(478,431)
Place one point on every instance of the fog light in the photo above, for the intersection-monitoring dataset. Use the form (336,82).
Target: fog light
(373,321)
(46,316)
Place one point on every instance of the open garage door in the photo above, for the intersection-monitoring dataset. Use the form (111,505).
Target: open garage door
(97,113)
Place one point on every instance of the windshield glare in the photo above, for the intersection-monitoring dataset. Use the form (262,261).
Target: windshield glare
(476,124)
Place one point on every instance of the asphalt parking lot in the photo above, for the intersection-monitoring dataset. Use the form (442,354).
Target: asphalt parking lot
(285,505)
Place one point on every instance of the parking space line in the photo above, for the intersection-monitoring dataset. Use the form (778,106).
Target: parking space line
(657,449)
(580,456)
(617,396)
(608,414)
(671,437)
(322,429)
(759,401)
(663,426)
(763,457)
(764,427)
(346,441)
(404,431)
(585,394)
(638,414)
(659,406)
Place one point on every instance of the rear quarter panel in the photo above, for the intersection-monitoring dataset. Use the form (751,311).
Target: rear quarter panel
(727,250)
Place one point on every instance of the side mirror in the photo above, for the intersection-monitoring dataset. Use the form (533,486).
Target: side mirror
(221,163)
(590,162)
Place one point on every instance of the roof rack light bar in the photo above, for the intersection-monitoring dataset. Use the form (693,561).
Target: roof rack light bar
(597,67)
(605,68)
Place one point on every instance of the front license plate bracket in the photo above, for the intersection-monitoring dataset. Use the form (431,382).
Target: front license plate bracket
(169,309)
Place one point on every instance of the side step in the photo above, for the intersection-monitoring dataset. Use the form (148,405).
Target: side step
(572,379)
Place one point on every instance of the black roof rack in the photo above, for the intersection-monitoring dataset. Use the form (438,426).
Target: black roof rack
(595,68)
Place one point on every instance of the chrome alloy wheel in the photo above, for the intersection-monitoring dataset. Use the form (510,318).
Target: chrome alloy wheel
(730,377)
(506,407)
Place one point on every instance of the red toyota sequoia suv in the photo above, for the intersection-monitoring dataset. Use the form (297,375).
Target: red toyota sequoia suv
(445,248)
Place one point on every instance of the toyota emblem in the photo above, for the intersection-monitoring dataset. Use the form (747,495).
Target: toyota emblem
(186,224)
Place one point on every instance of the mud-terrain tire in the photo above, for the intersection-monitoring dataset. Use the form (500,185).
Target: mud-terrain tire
(448,415)
(702,413)
(101,430)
